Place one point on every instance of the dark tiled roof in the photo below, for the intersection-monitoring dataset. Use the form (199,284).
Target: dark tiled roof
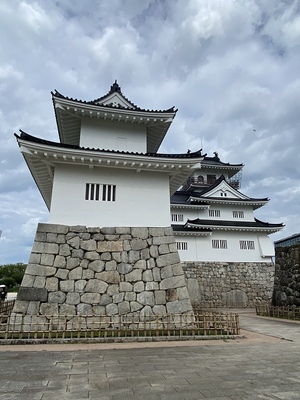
(218,162)
(114,88)
(30,138)
(181,197)
(248,224)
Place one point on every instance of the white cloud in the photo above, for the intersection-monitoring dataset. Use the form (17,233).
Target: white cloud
(231,67)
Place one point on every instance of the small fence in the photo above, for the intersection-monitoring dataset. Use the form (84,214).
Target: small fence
(118,327)
(6,307)
(266,310)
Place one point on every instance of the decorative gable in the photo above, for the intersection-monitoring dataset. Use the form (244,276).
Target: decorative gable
(224,190)
(115,99)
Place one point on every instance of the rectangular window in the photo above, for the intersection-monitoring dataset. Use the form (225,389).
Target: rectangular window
(238,214)
(99,191)
(247,245)
(219,244)
(177,217)
(214,213)
(181,245)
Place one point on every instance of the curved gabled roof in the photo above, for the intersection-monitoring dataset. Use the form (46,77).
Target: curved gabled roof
(203,198)
(215,161)
(42,157)
(113,107)
(229,225)
(25,136)
(102,101)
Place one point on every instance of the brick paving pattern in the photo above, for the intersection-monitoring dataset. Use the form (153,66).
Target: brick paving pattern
(267,367)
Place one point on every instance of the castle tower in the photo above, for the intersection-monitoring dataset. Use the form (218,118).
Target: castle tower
(109,247)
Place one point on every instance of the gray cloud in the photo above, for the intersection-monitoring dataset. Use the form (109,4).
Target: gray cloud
(231,67)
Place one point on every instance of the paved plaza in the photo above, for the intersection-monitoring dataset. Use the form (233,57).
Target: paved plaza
(263,365)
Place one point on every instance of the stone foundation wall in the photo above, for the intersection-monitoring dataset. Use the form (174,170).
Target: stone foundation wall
(287,276)
(103,271)
(229,284)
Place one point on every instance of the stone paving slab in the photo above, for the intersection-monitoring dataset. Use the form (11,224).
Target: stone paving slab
(265,365)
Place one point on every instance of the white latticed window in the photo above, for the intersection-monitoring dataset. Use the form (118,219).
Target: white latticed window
(177,217)
(238,214)
(219,244)
(247,245)
(181,245)
(214,213)
(100,192)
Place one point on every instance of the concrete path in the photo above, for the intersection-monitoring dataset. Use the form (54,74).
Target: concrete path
(263,365)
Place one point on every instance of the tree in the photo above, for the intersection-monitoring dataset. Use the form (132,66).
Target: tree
(11,275)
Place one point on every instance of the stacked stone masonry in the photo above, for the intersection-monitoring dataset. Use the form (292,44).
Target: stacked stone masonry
(229,283)
(287,276)
(75,270)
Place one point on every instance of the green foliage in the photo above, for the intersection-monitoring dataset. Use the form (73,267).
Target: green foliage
(11,275)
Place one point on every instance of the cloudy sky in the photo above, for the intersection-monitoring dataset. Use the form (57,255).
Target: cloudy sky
(231,67)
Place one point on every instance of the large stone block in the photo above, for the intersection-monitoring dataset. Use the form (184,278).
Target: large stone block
(160,296)
(49,309)
(45,248)
(33,308)
(124,307)
(167,259)
(84,309)
(60,262)
(20,307)
(52,228)
(97,265)
(27,280)
(90,298)
(74,242)
(105,299)
(146,298)
(57,297)
(52,284)
(73,298)
(75,273)
(134,276)
(67,286)
(40,270)
(141,233)
(166,272)
(110,246)
(72,263)
(138,244)
(62,273)
(39,282)
(124,268)
(89,245)
(108,276)
(175,282)
(67,309)
(32,294)
(64,250)
(96,285)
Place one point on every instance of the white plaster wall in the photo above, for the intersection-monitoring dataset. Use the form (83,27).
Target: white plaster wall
(200,248)
(111,135)
(225,213)
(142,199)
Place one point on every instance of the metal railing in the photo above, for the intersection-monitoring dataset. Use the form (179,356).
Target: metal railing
(19,326)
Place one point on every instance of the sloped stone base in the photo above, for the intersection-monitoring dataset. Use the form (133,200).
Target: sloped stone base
(76,270)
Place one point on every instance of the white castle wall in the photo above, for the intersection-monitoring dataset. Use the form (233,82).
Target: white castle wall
(199,248)
(113,135)
(142,199)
